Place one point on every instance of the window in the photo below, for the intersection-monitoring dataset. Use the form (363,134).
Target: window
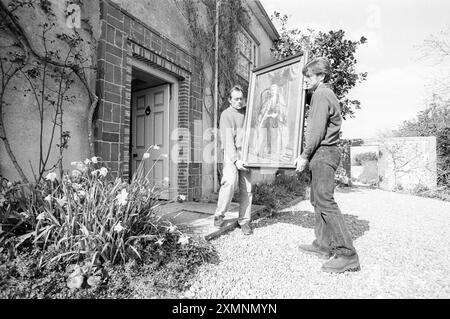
(247,58)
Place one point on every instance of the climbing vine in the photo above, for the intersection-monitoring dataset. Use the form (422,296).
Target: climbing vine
(232,17)
(43,65)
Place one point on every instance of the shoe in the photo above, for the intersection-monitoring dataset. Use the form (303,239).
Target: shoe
(314,250)
(218,221)
(341,264)
(246,229)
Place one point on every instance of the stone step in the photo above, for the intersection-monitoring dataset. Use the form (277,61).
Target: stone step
(197,218)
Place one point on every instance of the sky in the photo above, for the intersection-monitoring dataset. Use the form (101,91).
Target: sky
(399,82)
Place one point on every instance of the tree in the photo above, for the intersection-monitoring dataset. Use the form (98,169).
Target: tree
(332,45)
(433,121)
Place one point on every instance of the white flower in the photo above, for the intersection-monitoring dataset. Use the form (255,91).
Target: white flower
(172,228)
(76,173)
(48,198)
(87,161)
(160,241)
(9,184)
(183,240)
(94,173)
(118,228)
(155,147)
(166,179)
(81,167)
(181,197)
(51,176)
(103,171)
(164,155)
(122,197)
(41,216)
(94,159)
(146,155)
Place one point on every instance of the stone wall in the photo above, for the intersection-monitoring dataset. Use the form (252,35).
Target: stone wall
(407,163)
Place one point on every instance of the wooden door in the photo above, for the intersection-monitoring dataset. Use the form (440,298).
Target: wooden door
(150,133)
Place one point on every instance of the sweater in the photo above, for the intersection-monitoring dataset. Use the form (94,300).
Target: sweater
(324,121)
(232,132)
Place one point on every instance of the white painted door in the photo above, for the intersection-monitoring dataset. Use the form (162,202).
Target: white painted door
(150,127)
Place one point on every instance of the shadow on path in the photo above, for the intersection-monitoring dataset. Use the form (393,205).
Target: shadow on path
(306,219)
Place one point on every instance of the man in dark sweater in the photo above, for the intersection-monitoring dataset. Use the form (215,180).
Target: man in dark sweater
(231,130)
(322,152)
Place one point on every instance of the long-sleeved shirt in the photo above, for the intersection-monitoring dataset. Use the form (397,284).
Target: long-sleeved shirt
(231,131)
(324,121)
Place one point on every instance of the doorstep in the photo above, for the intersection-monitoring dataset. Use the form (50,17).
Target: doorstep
(198,217)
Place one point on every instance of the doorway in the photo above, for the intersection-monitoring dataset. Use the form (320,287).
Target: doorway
(152,107)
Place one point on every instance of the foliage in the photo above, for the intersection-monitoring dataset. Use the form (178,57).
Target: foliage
(361,158)
(161,274)
(233,16)
(281,191)
(433,121)
(90,223)
(332,45)
(86,215)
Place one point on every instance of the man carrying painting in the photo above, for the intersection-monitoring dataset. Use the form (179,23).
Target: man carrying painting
(234,170)
(333,240)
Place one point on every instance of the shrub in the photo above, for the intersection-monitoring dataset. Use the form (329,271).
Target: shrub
(281,191)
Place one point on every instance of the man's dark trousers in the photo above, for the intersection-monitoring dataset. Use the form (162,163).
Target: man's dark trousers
(331,232)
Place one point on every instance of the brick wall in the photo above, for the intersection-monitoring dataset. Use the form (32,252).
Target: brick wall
(124,38)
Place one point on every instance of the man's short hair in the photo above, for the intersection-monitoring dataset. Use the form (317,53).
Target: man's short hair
(236,88)
(318,66)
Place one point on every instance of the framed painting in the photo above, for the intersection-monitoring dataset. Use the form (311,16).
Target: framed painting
(275,115)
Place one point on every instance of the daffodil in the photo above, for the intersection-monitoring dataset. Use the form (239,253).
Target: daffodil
(76,186)
(184,239)
(181,197)
(51,177)
(81,167)
(118,228)
(41,216)
(48,198)
(155,147)
(122,197)
(146,155)
(172,228)
(103,171)
(87,161)
(76,173)
(94,159)
(160,241)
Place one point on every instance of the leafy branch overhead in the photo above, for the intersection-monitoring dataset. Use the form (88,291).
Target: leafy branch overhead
(332,45)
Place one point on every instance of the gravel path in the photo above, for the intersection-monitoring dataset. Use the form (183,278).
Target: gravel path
(403,243)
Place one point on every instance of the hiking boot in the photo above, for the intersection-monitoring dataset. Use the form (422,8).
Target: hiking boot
(246,229)
(314,250)
(340,264)
(218,221)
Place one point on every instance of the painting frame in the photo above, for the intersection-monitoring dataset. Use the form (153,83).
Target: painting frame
(285,131)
